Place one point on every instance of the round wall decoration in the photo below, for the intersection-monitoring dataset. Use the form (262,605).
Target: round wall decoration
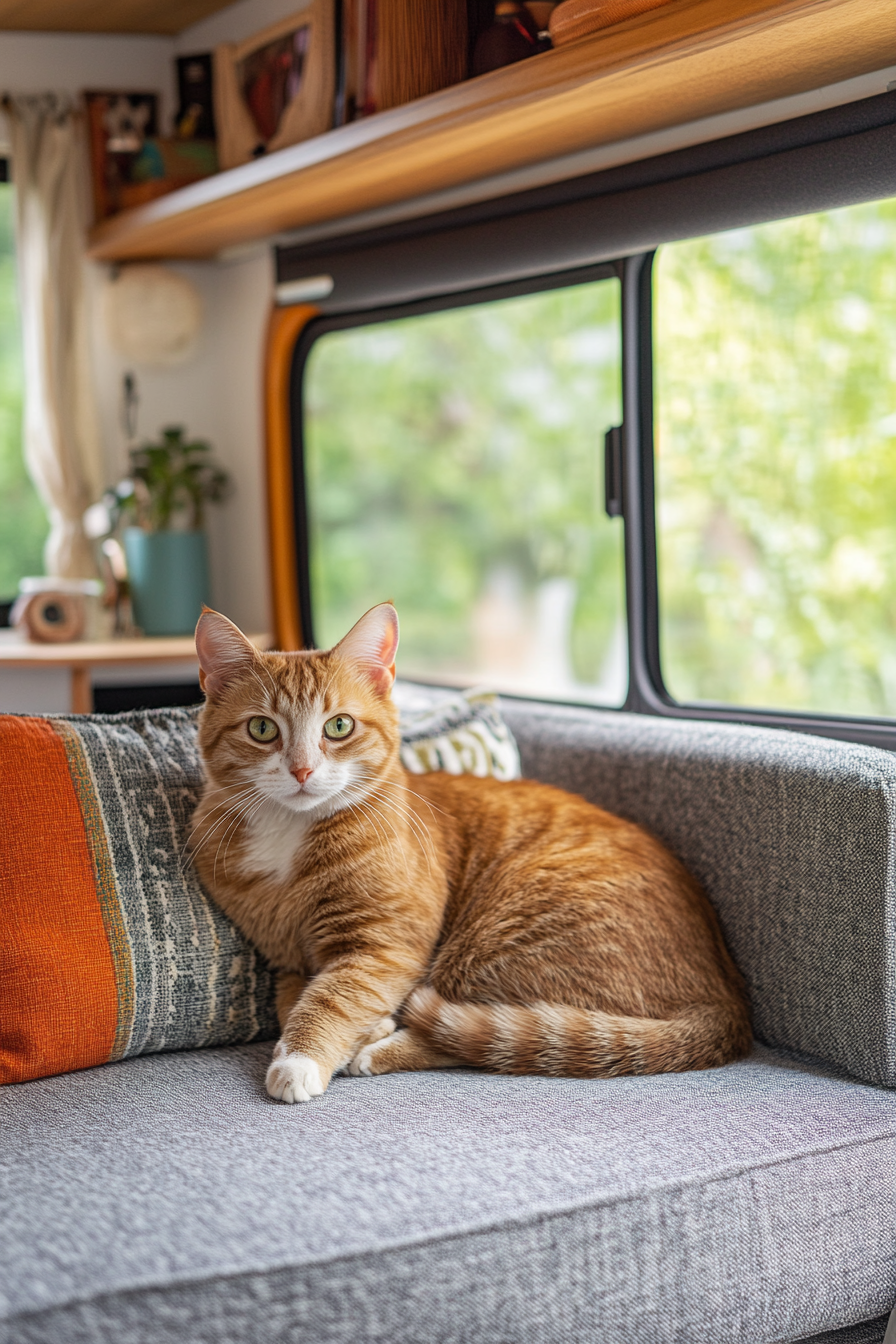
(152,315)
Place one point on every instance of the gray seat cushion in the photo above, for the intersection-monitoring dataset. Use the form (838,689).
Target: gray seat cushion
(167,1199)
(792,836)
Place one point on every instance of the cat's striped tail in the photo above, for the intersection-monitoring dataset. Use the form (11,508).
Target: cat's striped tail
(571,1042)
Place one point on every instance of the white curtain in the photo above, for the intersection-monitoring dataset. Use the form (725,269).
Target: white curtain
(62,447)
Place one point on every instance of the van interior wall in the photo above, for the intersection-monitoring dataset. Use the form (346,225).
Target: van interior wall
(217,394)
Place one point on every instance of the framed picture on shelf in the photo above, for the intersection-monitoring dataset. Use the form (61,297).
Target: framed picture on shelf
(118,126)
(195,109)
(276,88)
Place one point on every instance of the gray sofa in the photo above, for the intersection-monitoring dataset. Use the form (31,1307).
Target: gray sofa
(167,1198)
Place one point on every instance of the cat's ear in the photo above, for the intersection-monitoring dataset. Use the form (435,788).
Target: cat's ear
(373,642)
(223,652)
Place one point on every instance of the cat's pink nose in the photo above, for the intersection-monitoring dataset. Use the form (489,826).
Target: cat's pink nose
(302,772)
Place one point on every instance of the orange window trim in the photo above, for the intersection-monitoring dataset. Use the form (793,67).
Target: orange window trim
(284,329)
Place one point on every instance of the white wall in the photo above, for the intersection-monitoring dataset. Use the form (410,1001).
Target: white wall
(218,394)
(235,23)
(38,62)
(71,62)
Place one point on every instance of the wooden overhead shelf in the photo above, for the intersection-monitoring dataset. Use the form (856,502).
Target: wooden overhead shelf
(687,60)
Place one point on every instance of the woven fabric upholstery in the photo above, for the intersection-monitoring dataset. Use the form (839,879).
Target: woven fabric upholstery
(793,838)
(869,1332)
(167,1199)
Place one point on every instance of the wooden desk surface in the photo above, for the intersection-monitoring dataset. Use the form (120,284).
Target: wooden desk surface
(18,652)
(80,657)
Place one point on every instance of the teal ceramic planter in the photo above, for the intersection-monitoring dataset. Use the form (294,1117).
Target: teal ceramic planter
(168,573)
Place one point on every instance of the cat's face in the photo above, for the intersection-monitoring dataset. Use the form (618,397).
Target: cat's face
(309,731)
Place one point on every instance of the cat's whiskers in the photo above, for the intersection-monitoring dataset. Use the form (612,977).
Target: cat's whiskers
(404,808)
(413,818)
(380,787)
(267,671)
(264,689)
(245,798)
(362,800)
(232,813)
(406,789)
(401,809)
(412,821)
(231,795)
(248,811)
(369,813)
(232,801)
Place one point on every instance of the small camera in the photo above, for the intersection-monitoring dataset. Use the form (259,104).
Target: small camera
(53,611)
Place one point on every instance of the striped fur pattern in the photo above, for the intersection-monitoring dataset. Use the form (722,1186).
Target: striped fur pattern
(551,1038)
(507,925)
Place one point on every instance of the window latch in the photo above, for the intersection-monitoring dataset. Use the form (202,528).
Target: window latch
(613,472)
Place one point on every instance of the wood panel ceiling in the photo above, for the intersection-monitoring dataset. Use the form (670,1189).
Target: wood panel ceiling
(105,16)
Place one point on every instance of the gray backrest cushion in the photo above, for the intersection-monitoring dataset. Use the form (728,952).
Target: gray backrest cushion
(792,837)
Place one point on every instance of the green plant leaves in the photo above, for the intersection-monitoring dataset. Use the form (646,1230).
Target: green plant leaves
(173,480)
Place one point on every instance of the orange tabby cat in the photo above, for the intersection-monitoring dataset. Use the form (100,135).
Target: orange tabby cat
(512,925)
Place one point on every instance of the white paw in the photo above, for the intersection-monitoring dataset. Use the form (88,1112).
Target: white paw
(293,1077)
(362,1064)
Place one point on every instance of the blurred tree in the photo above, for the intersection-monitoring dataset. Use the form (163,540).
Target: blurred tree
(23,522)
(460,454)
(776,444)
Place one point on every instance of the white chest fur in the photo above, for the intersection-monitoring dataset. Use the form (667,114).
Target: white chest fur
(274,841)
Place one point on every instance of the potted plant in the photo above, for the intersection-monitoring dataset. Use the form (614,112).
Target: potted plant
(166,547)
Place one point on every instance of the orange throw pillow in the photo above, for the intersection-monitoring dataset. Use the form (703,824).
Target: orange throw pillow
(109,947)
(60,993)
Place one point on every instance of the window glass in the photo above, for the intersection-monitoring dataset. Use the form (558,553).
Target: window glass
(454,464)
(23,522)
(776,463)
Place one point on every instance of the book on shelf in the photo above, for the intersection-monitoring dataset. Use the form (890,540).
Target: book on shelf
(393,51)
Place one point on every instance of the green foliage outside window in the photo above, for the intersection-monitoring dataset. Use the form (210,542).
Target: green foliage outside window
(455,464)
(776,473)
(23,522)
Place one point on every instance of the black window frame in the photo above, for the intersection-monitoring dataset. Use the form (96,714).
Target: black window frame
(486,252)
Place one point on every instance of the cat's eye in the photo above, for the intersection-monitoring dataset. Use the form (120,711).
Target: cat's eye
(263,729)
(339,726)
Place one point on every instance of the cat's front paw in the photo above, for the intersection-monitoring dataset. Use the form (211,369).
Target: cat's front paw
(384,1027)
(293,1077)
(364,1064)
